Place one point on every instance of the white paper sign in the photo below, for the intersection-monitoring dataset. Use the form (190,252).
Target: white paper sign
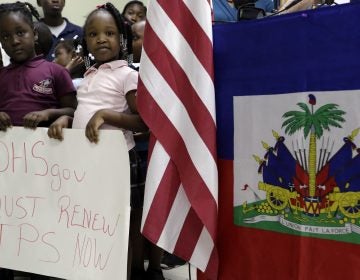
(64,206)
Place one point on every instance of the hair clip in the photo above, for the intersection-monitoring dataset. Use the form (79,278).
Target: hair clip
(27,6)
(78,49)
(87,62)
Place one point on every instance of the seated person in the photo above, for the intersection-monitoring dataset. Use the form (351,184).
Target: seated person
(226,11)
(134,11)
(290,7)
(68,53)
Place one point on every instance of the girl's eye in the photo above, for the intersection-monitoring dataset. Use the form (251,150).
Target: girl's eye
(20,33)
(110,33)
(91,34)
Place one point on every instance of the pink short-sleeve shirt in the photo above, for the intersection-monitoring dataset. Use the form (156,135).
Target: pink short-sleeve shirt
(105,88)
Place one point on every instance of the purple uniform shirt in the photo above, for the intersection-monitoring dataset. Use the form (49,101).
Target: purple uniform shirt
(35,85)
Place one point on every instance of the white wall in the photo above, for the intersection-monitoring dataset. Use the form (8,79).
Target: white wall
(77,10)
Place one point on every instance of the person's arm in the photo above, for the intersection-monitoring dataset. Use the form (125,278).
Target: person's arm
(75,64)
(1,60)
(131,101)
(68,105)
(302,5)
(5,121)
(55,130)
(132,122)
(126,121)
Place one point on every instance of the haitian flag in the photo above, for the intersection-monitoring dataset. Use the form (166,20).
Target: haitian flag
(288,98)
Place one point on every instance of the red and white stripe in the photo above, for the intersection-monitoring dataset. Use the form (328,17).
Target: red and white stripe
(176,100)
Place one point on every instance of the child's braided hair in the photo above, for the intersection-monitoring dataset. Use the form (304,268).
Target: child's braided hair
(124,31)
(25,8)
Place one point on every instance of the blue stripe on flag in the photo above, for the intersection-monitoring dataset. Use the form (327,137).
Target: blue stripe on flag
(316,50)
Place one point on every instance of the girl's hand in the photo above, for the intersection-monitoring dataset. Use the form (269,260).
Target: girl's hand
(74,64)
(56,128)
(5,121)
(32,119)
(92,128)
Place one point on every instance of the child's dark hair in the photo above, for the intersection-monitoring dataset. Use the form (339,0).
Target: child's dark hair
(25,8)
(45,38)
(124,31)
(134,2)
(69,44)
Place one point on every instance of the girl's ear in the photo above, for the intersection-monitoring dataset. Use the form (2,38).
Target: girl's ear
(73,54)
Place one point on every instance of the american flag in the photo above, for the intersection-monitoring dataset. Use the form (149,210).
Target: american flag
(176,100)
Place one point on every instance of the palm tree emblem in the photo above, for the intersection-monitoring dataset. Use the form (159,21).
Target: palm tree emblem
(313,123)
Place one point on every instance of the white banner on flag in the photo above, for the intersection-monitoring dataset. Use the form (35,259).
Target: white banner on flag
(64,206)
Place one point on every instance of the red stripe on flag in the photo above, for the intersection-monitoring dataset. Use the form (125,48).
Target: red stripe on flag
(189,236)
(178,11)
(213,264)
(180,84)
(162,202)
(199,196)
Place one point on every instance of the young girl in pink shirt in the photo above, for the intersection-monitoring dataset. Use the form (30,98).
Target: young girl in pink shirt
(107,100)
(107,94)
